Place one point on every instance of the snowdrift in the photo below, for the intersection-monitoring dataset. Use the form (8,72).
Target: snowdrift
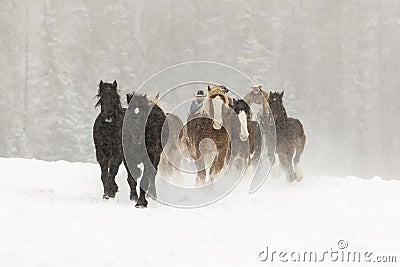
(52,214)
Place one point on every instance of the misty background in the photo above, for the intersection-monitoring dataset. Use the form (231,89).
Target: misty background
(338,62)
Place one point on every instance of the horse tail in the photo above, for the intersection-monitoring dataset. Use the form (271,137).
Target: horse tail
(182,135)
(299,145)
(299,138)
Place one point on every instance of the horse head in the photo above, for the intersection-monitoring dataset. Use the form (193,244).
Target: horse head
(275,102)
(139,110)
(109,101)
(217,99)
(129,97)
(242,109)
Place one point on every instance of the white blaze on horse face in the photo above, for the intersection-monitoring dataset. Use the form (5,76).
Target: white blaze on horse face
(136,110)
(244,132)
(217,119)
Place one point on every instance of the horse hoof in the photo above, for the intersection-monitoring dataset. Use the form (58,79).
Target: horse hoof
(299,178)
(134,197)
(141,206)
(200,182)
(275,171)
(299,173)
(105,196)
(142,203)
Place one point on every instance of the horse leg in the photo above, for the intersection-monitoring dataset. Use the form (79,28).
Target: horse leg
(176,159)
(286,161)
(200,165)
(255,158)
(218,163)
(104,177)
(299,151)
(213,168)
(255,141)
(112,186)
(201,171)
(152,186)
(148,172)
(166,160)
(270,140)
(169,158)
(242,159)
(275,168)
(132,180)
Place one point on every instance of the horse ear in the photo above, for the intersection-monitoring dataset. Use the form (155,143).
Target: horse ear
(128,97)
(209,88)
(281,94)
(266,95)
(157,96)
(101,83)
(115,84)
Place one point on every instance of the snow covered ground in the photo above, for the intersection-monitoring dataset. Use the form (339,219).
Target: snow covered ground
(52,214)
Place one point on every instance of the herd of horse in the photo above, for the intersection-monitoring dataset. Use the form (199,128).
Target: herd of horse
(145,134)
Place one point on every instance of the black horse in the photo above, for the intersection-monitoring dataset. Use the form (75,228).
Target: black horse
(246,135)
(290,137)
(107,136)
(145,132)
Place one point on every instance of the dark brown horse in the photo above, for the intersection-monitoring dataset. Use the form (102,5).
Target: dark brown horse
(209,124)
(290,138)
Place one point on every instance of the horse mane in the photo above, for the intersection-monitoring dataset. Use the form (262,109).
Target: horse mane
(152,100)
(220,90)
(243,102)
(216,90)
(282,114)
(155,100)
(117,96)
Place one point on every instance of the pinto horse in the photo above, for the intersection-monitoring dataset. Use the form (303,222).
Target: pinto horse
(144,133)
(208,124)
(246,135)
(290,138)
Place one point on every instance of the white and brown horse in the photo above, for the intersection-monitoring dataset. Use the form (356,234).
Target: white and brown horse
(209,124)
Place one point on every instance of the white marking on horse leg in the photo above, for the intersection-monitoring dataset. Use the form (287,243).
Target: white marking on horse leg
(299,172)
(244,132)
(217,120)
(275,169)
